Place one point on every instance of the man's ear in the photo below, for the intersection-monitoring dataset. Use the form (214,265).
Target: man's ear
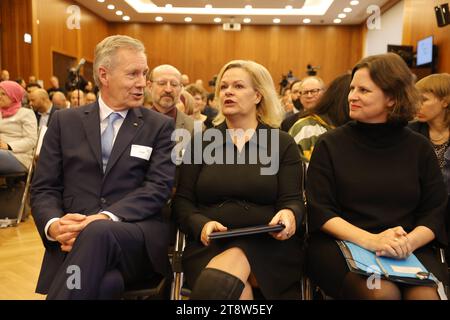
(103,76)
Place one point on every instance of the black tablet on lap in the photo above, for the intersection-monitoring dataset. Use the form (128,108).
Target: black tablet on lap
(246,231)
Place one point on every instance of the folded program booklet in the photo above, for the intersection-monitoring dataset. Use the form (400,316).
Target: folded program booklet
(246,231)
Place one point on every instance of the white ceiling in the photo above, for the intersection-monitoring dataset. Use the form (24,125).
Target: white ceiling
(263,11)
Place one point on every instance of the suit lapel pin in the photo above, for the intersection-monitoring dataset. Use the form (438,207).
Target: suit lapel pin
(135,124)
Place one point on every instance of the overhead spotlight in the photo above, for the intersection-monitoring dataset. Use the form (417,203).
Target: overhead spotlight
(126,18)
(354,2)
(347,10)
(208,6)
(188,19)
(159,19)
(111,7)
(288,7)
(217,20)
(119,12)
(101,1)
(247,20)
(337,20)
(342,15)
(276,20)
(306,20)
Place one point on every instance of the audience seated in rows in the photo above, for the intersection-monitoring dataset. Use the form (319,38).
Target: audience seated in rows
(331,111)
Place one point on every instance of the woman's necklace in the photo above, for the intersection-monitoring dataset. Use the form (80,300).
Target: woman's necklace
(441,138)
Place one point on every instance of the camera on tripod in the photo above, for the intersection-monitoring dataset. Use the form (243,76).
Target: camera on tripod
(286,80)
(311,70)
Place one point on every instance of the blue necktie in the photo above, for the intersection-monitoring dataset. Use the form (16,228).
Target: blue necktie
(108,137)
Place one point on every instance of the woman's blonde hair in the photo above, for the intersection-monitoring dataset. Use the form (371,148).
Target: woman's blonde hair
(188,102)
(269,110)
(438,85)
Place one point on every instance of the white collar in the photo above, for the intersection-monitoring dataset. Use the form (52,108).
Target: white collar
(105,111)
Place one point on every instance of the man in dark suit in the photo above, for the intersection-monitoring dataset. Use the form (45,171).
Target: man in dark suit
(103,176)
(42,106)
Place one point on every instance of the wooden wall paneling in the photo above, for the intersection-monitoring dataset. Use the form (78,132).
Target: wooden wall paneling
(420,22)
(15,22)
(93,30)
(201,50)
(61,64)
(1,31)
(54,35)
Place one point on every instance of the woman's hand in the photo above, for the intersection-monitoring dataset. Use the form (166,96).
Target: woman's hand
(287,218)
(208,228)
(392,243)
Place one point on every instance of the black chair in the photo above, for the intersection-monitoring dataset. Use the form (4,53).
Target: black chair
(310,291)
(154,288)
(178,291)
(14,196)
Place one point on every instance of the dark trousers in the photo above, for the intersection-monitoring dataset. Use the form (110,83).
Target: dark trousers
(105,258)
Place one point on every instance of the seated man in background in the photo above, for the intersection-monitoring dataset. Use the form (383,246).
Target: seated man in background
(165,88)
(42,106)
(59,99)
(4,76)
(90,97)
(103,175)
(77,98)
(310,90)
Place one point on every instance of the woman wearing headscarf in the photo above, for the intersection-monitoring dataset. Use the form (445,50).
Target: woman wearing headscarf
(18,130)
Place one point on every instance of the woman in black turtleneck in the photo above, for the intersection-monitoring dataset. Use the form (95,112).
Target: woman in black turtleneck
(376,183)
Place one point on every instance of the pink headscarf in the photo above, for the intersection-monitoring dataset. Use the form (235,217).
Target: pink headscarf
(15,92)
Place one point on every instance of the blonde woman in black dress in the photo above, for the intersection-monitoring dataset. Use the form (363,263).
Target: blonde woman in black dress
(237,192)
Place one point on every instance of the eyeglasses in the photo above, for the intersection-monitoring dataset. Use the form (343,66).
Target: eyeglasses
(163,83)
(313,92)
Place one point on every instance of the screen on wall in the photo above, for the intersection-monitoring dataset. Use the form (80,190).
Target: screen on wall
(425,51)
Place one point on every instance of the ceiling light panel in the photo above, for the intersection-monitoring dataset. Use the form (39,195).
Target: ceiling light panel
(309,7)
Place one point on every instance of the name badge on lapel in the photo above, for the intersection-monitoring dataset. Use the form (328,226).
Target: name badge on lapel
(142,152)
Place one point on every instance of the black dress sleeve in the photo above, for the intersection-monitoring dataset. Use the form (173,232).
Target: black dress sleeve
(289,180)
(433,201)
(184,206)
(321,195)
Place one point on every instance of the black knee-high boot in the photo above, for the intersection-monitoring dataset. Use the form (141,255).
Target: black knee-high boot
(214,284)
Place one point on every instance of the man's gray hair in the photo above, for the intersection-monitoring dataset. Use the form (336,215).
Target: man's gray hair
(107,48)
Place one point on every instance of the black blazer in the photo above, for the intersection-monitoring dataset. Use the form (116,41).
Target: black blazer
(52,111)
(69,178)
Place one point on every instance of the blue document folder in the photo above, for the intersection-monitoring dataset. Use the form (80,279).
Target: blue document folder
(409,270)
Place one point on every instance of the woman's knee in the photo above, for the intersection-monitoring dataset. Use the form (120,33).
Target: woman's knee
(420,293)
(357,287)
(233,261)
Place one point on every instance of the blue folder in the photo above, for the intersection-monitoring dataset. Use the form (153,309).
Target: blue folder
(365,262)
